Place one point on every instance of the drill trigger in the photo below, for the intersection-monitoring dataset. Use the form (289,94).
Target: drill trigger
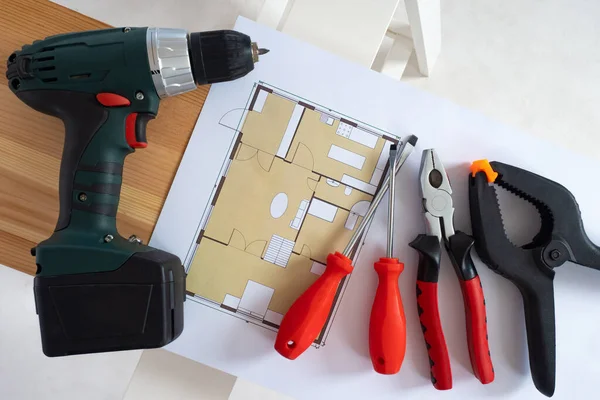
(135,130)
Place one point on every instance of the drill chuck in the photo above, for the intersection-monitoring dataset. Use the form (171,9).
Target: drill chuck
(179,61)
(169,59)
(220,56)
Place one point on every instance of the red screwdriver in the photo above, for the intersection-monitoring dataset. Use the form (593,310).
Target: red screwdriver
(307,316)
(387,328)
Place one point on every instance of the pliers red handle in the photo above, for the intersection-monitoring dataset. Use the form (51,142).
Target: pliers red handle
(439,212)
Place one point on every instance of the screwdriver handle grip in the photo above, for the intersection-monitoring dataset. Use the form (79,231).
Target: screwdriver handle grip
(306,318)
(387,327)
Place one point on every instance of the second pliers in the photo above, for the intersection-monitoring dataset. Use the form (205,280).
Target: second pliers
(438,211)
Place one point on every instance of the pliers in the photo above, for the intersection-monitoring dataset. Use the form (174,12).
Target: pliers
(561,238)
(438,211)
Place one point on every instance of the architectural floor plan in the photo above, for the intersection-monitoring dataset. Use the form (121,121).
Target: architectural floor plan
(297,182)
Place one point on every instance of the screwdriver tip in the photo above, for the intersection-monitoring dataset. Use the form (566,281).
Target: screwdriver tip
(263,51)
(412,139)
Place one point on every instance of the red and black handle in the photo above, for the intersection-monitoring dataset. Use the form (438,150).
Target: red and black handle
(459,246)
(430,252)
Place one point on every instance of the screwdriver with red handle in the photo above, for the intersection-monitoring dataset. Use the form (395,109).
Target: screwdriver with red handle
(306,318)
(387,327)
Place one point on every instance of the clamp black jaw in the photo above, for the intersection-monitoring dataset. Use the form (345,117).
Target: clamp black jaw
(561,238)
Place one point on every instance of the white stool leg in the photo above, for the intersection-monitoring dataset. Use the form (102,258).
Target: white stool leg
(397,58)
(426,28)
(352,29)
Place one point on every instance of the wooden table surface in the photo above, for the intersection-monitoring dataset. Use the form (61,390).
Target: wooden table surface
(31,146)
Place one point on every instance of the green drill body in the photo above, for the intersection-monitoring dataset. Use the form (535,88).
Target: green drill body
(94,290)
(68,72)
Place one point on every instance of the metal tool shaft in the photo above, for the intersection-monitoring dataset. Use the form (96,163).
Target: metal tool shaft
(393,160)
(407,147)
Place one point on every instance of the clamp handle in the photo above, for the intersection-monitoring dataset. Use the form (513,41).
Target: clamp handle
(541,334)
(533,279)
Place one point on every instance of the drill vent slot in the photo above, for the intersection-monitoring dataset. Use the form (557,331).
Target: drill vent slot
(47,80)
(46,69)
(80,76)
(41,59)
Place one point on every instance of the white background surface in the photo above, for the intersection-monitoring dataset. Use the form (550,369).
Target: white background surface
(342,368)
(529,64)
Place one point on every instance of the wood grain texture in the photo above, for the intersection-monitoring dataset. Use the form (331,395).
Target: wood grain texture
(31,146)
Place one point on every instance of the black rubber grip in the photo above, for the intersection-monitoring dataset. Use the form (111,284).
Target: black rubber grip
(430,253)
(141,122)
(459,249)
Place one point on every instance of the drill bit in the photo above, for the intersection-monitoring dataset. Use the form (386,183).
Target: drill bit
(256,51)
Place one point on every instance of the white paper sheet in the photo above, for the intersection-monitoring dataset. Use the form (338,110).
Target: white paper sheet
(342,368)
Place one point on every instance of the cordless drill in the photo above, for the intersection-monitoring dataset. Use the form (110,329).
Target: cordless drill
(96,291)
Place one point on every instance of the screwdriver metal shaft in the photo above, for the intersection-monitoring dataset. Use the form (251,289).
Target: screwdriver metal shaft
(407,147)
(392,196)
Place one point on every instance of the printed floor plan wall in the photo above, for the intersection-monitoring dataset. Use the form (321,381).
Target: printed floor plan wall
(297,183)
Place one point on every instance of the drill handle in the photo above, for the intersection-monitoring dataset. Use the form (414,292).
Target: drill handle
(95,147)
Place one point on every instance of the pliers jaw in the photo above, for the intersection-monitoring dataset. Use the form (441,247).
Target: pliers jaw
(436,193)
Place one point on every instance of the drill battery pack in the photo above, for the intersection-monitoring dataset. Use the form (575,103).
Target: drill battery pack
(137,306)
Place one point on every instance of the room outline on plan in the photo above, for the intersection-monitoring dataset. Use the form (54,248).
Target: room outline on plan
(297,181)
